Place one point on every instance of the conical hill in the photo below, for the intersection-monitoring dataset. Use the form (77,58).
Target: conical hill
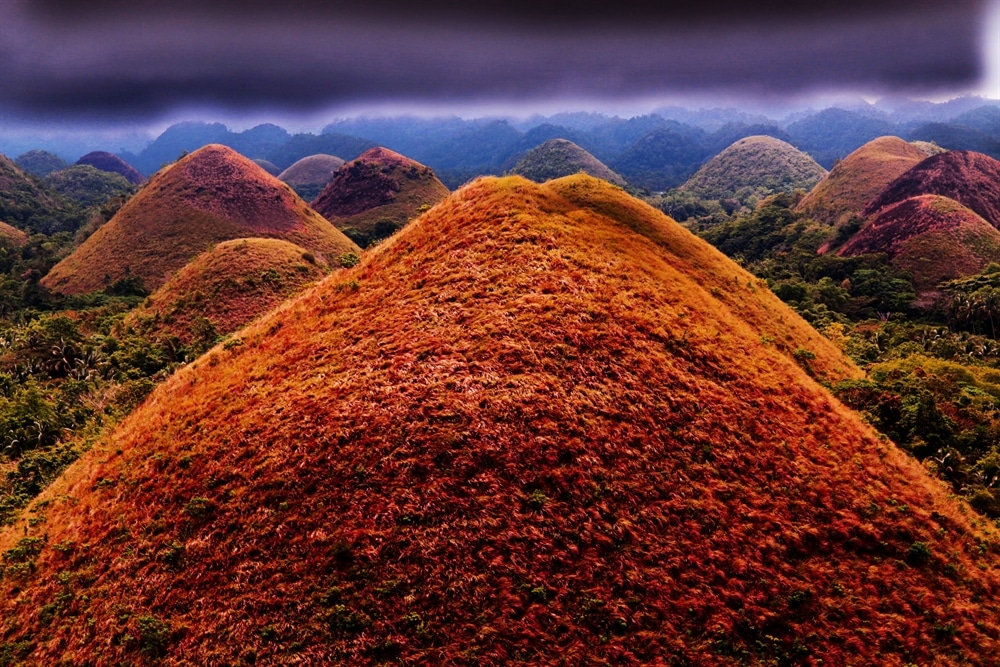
(970,178)
(376,194)
(535,427)
(212,195)
(759,163)
(110,162)
(855,180)
(310,175)
(225,288)
(932,237)
(560,157)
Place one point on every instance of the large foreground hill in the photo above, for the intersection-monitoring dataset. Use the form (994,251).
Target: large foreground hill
(210,196)
(542,425)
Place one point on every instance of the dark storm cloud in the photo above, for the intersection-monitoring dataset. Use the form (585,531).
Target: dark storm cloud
(127,58)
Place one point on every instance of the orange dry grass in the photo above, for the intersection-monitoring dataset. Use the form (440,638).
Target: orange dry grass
(855,180)
(211,195)
(536,427)
(230,285)
(12,235)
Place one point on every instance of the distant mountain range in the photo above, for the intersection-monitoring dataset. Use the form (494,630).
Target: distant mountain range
(655,152)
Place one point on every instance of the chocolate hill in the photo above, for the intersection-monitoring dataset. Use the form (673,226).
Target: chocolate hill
(858,178)
(378,193)
(972,179)
(110,162)
(932,237)
(310,175)
(12,236)
(559,157)
(226,287)
(210,196)
(761,163)
(542,425)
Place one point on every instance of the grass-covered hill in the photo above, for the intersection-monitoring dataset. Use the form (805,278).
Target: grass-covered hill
(28,204)
(212,195)
(375,195)
(267,166)
(12,236)
(542,425)
(88,186)
(109,162)
(759,164)
(40,163)
(310,175)
(559,157)
(932,237)
(225,288)
(972,179)
(858,178)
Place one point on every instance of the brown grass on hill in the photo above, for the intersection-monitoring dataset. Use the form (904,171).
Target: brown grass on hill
(380,186)
(312,170)
(209,196)
(533,428)
(932,237)
(856,179)
(110,162)
(12,236)
(228,286)
(970,178)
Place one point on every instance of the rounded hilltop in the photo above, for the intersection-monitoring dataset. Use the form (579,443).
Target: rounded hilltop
(556,158)
(759,164)
(970,178)
(932,237)
(373,196)
(112,163)
(225,288)
(858,178)
(211,195)
(12,236)
(310,175)
(544,424)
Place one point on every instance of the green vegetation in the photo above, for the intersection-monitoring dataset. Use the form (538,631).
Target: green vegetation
(933,375)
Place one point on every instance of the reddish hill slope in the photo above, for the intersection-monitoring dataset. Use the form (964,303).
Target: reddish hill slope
(110,162)
(530,429)
(970,178)
(12,236)
(858,178)
(227,287)
(211,195)
(377,193)
(933,237)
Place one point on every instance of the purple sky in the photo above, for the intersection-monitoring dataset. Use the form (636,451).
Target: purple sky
(131,59)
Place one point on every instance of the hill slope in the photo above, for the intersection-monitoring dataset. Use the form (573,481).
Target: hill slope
(932,237)
(522,431)
(310,175)
(227,286)
(972,179)
(763,164)
(12,236)
(377,193)
(858,178)
(557,158)
(25,203)
(110,162)
(211,195)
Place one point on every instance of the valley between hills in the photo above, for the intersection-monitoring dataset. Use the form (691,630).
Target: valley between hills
(695,389)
